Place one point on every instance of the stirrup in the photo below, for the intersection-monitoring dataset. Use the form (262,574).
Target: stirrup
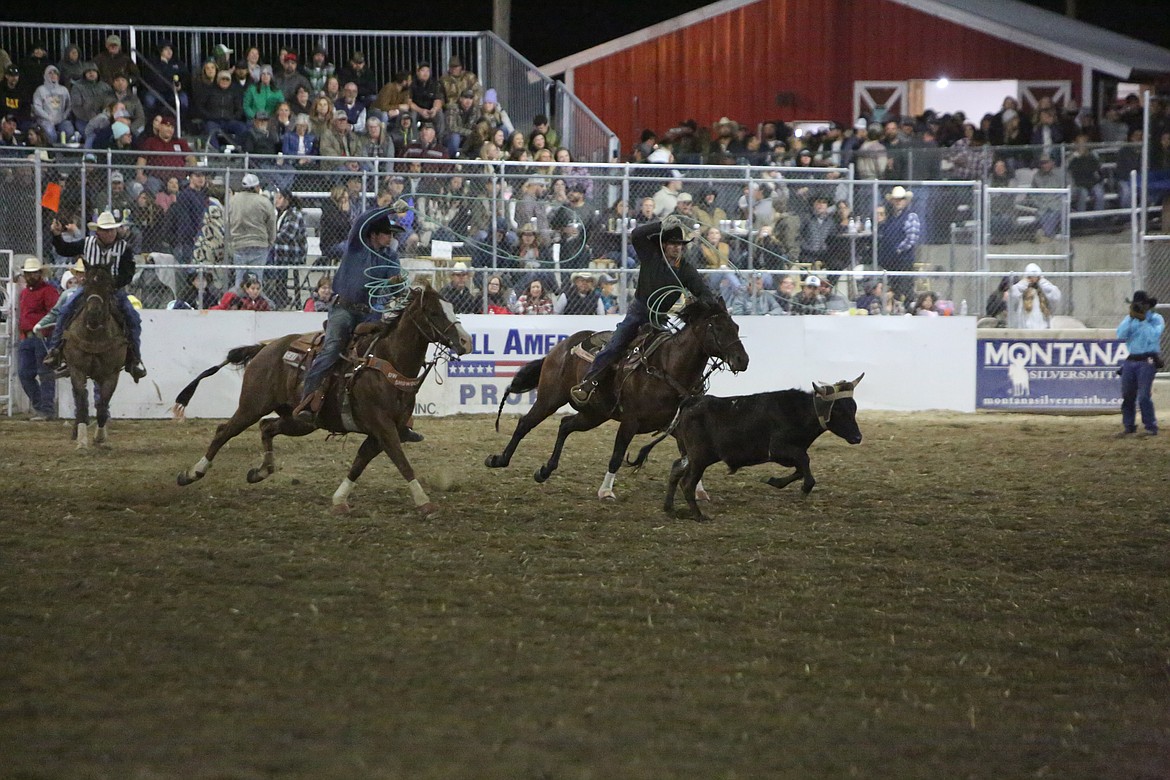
(309,406)
(583,392)
(136,370)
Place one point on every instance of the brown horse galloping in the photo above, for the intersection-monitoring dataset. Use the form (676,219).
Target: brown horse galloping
(95,348)
(380,402)
(643,398)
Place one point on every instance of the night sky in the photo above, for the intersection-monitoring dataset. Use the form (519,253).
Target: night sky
(541,31)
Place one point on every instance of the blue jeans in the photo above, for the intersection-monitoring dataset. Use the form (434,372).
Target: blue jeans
(257,256)
(233,127)
(129,315)
(338,331)
(35,377)
(637,316)
(1137,382)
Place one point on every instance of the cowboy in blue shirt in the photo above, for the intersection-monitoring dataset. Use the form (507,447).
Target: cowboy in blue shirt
(1142,332)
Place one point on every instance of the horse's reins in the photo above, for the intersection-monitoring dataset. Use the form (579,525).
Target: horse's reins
(397,378)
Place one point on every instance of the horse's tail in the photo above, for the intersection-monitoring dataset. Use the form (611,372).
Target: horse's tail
(527,378)
(643,453)
(238,356)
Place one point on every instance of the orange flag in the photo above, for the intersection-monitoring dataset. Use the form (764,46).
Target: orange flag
(52,197)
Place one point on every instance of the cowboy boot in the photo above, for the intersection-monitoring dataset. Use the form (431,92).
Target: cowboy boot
(410,435)
(309,407)
(54,357)
(134,365)
(583,392)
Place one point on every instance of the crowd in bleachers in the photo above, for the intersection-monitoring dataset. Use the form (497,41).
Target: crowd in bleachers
(542,230)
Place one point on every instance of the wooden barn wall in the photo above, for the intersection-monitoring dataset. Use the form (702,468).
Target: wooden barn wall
(736,64)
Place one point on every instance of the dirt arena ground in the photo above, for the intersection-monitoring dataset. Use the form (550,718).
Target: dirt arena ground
(962,596)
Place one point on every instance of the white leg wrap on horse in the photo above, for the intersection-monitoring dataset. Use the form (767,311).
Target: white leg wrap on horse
(417,493)
(606,489)
(82,434)
(343,491)
(701,492)
(202,466)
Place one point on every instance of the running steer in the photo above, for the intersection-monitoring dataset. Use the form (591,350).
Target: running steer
(748,430)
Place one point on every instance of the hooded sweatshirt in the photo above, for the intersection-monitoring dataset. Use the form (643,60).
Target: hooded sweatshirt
(70,71)
(51,101)
(90,97)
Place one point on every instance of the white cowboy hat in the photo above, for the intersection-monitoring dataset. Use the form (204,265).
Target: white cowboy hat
(900,193)
(78,267)
(105,221)
(32,265)
(581,275)
(459,268)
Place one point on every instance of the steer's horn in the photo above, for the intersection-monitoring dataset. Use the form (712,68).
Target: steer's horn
(857,381)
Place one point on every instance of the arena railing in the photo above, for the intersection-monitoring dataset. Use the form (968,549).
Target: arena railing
(523,90)
(956,236)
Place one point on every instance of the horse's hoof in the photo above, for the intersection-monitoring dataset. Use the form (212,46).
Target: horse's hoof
(702,495)
(604,494)
(492,461)
(185,479)
(341,509)
(702,518)
(99,436)
(427,509)
(258,475)
(82,446)
(541,476)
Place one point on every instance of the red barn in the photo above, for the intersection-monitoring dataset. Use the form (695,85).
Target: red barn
(830,59)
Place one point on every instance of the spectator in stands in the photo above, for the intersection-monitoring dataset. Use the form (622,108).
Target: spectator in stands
(203,82)
(493,112)
(707,212)
(462,115)
(147,221)
(161,167)
(259,141)
(221,54)
(262,96)
(1111,128)
(404,133)
(1003,206)
(999,133)
(786,292)
(354,108)
(534,300)
(426,95)
(290,78)
(499,297)
(924,305)
(51,106)
(536,142)
(322,298)
(167,77)
(88,96)
(808,300)
(1129,159)
(898,238)
(540,125)
(301,103)
(357,72)
(336,221)
(332,89)
(16,98)
(666,198)
(714,252)
(376,142)
(241,77)
(300,146)
(321,117)
(252,222)
(1160,153)
(393,98)
(71,66)
(130,102)
(1047,133)
(872,158)
(757,206)
(457,293)
(117,137)
(1048,207)
(187,214)
(426,146)
(754,299)
(815,234)
(581,296)
(289,247)
(252,60)
(280,122)
(995,313)
(223,112)
(1033,300)
(248,298)
(1084,173)
(318,70)
(200,291)
(168,195)
(530,208)
(115,62)
(338,142)
(872,298)
(458,80)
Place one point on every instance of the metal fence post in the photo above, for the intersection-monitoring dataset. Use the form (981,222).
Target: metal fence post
(38,180)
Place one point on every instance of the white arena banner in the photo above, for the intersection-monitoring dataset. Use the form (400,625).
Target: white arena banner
(910,363)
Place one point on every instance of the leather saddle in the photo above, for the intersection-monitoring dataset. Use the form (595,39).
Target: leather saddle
(300,353)
(647,341)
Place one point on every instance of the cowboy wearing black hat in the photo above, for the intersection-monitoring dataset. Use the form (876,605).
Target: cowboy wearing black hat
(1142,332)
(663,271)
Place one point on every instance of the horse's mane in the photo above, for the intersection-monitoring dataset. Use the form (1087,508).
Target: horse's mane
(697,310)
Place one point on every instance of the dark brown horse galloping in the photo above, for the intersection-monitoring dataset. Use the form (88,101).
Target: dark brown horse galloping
(643,397)
(380,401)
(95,348)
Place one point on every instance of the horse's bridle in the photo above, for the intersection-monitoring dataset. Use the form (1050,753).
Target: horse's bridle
(99,299)
(437,335)
(718,362)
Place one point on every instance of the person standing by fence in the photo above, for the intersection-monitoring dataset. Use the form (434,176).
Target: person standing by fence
(1142,332)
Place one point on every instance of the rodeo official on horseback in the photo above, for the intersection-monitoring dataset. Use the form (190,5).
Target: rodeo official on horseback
(106,247)
(663,275)
(371,255)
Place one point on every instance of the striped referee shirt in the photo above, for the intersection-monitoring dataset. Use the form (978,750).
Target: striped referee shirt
(117,256)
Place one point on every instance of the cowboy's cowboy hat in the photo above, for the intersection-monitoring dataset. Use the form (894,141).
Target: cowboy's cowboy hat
(900,193)
(32,265)
(105,221)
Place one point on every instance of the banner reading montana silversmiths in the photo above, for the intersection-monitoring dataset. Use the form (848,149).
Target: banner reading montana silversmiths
(1053,374)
